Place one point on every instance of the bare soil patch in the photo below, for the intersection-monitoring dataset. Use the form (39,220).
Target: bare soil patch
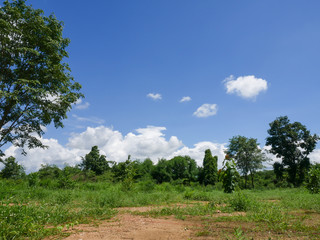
(127,225)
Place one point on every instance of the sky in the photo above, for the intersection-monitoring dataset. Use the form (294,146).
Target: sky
(175,77)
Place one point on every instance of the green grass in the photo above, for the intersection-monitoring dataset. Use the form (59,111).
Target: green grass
(37,212)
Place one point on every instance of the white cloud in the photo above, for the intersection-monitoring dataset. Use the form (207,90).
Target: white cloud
(149,142)
(185,99)
(81,105)
(88,119)
(197,152)
(247,87)
(55,154)
(140,144)
(206,110)
(154,96)
(315,156)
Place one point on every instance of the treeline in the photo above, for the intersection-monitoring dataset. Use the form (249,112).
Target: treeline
(95,167)
(242,166)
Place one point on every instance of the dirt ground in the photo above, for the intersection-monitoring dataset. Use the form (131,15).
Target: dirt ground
(126,225)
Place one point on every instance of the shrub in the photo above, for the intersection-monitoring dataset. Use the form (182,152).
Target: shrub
(240,202)
(313,180)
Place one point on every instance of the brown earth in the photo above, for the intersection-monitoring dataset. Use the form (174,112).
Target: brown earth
(127,225)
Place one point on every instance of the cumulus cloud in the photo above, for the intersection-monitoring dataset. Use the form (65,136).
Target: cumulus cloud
(206,110)
(247,87)
(197,152)
(154,96)
(185,99)
(55,154)
(149,142)
(315,156)
(81,105)
(146,142)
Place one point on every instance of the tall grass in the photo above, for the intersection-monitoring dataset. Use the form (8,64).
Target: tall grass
(41,210)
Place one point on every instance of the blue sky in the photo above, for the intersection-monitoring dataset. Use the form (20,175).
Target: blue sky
(123,50)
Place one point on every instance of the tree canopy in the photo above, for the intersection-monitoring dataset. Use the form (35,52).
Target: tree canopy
(210,168)
(292,142)
(94,161)
(11,169)
(248,157)
(36,88)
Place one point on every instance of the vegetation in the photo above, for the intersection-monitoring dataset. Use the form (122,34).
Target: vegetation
(11,169)
(36,87)
(293,143)
(95,162)
(248,157)
(210,168)
(229,176)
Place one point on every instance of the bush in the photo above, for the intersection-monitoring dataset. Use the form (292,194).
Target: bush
(313,180)
(240,202)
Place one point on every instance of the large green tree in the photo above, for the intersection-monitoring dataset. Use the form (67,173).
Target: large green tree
(12,169)
(210,168)
(247,155)
(95,162)
(36,87)
(293,143)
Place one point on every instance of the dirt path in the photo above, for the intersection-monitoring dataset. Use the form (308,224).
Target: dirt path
(128,226)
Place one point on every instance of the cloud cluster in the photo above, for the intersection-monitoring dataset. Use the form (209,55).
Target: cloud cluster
(149,142)
(206,110)
(154,96)
(247,87)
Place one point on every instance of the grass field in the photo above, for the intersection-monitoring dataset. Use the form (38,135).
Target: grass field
(37,212)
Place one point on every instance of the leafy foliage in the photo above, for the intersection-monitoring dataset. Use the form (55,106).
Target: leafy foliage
(292,142)
(11,169)
(210,168)
(247,155)
(229,176)
(36,87)
(94,161)
(313,180)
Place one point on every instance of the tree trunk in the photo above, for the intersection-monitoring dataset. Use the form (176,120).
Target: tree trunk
(252,179)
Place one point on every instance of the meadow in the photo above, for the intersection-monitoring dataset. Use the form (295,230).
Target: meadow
(36,211)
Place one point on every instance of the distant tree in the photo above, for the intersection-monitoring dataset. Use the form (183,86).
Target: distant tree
(278,170)
(49,171)
(210,168)
(11,169)
(36,87)
(145,168)
(162,171)
(248,157)
(292,142)
(183,167)
(94,161)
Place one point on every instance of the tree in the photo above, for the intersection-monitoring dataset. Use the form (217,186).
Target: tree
(11,169)
(210,168)
(247,155)
(313,180)
(95,162)
(292,142)
(229,175)
(36,88)
(183,167)
(162,171)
